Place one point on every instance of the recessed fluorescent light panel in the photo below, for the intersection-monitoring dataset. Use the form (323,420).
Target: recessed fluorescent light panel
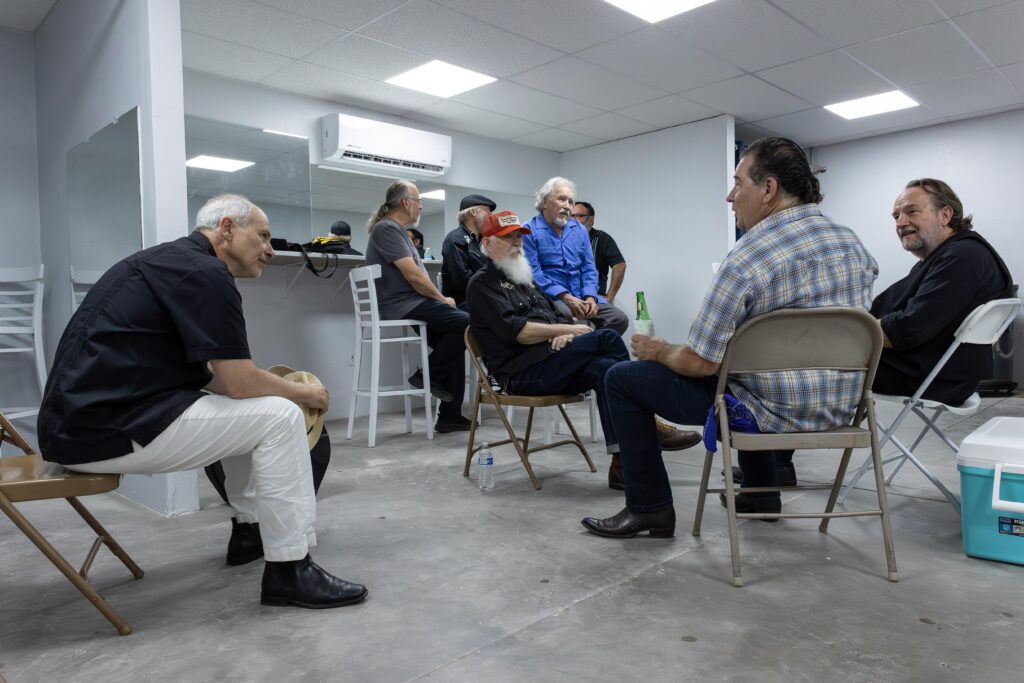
(440,79)
(287,135)
(656,10)
(217,163)
(433,194)
(874,104)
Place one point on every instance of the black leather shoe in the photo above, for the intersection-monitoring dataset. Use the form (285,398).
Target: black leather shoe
(459,424)
(626,524)
(786,473)
(304,584)
(438,392)
(615,480)
(748,504)
(245,544)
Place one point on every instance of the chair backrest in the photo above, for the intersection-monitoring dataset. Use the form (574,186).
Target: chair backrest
(81,282)
(987,322)
(833,338)
(21,303)
(364,296)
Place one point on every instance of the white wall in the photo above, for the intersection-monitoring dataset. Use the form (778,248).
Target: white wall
(661,195)
(983,161)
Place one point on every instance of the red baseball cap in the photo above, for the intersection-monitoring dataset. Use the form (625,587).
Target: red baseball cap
(501,223)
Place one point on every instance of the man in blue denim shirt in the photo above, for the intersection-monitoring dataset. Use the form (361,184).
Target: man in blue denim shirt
(558,249)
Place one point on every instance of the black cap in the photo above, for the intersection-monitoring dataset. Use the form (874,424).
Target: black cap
(476,200)
(341,228)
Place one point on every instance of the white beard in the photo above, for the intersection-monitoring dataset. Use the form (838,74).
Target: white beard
(517,269)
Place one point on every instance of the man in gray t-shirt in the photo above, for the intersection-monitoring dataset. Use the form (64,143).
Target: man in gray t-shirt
(405,290)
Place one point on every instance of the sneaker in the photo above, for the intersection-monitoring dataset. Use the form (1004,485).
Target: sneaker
(447,426)
(438,392)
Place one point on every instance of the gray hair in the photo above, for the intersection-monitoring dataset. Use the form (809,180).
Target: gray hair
(399,190)
(465,214)
(234,206)
(548,188)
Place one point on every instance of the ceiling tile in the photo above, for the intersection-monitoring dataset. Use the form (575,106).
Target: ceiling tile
(827,78)
(319,81)
(1015,72)
(588,83)
(608,126)
(661,59)
(473,120)
(366,57)
(568,25)
(748,33)
(747,98)
(966,94)
(957,7)
(847,23)
(227,59)
(350,14)
(668,111)
(998,32)
(929,53)
(526,103)
(258,26)
(557,140)
(813,126)
(458,39)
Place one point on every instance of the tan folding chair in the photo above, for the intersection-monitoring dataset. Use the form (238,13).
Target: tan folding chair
(833,338)
(486,394)
(28,477)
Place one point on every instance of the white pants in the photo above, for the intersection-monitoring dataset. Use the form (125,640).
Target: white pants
(268,476)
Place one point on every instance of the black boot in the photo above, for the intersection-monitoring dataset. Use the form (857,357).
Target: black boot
(615,480)
(245,544)
(626,524)
(304,584)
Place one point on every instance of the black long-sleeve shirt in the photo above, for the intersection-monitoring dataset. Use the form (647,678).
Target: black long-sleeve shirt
(462,258)
(921,313)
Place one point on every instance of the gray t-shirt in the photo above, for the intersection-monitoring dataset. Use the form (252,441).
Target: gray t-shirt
(389,243)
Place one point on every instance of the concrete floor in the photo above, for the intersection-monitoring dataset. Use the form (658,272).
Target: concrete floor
(507,586)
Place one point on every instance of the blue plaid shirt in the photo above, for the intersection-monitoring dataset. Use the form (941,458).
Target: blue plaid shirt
(796,258)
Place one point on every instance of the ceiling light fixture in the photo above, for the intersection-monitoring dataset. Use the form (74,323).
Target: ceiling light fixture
(217,163)
(287,135)
(656,11)
(871,105)
(433,194)
(440,79)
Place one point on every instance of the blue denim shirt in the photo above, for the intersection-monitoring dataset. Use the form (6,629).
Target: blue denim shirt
(561,263)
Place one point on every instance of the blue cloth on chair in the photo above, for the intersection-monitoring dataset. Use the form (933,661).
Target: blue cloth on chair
(740,420)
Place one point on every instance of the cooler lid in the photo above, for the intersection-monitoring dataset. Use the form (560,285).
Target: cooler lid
(1001,439)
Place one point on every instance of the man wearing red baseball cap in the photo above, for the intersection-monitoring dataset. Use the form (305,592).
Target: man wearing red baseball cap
(529,345)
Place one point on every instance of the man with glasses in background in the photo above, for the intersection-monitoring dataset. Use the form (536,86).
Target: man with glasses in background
(405,290)
(606,252)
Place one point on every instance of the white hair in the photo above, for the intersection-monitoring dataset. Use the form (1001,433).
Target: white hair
(548,188)
(234,206)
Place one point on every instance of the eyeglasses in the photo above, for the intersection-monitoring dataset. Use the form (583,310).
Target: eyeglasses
(416,199)
(580,216)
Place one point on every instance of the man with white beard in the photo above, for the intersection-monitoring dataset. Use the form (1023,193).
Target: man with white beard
(530,346)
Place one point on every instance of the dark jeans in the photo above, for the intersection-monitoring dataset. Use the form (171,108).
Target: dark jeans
(445,329)
(607,316)
(579,367)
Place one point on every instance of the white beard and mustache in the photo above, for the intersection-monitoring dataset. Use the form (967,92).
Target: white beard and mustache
(516,268)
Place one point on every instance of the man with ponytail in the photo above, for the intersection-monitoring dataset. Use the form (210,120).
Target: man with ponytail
(405,290)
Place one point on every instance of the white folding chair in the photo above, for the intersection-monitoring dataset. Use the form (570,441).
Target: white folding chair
(81,282)
(984,325)
(369,327)
(21,322)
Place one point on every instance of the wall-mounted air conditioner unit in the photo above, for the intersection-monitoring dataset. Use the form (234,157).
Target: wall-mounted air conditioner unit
(382,149)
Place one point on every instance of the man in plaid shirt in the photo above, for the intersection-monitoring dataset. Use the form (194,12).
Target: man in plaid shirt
(790,256)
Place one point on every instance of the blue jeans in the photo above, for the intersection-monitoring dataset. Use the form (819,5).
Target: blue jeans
(579,367)
(637,390)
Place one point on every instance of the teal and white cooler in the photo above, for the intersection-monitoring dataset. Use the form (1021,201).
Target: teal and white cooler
(991,465)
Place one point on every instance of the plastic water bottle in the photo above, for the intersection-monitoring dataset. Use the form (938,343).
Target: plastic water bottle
(485,468)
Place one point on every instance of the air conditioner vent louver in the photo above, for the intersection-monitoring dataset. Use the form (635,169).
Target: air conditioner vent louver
(401,163)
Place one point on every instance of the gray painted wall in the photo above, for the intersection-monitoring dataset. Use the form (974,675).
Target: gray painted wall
(983,161)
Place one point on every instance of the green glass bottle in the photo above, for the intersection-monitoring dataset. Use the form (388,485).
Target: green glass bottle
(643,323)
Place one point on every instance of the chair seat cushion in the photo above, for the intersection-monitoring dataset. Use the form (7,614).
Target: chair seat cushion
(841,437)
(533,401)
(29,477)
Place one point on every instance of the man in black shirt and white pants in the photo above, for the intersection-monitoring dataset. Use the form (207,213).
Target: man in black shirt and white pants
(126,395)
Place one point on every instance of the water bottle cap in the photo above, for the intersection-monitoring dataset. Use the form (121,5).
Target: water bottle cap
(486,445)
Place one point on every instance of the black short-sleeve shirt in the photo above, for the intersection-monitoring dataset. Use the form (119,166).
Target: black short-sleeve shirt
(498,311)
(133,358)
(462,258)
(606,255)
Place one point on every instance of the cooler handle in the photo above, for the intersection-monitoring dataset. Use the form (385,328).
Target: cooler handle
(997,502)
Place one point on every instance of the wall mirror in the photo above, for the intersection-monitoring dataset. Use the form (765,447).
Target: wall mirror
(104,200)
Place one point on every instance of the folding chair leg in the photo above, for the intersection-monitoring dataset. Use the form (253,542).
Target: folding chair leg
(472,430)
(931,477)
(576,438)
(524,450)
(883,502)
(702,493)
(107,539)
(844,463)
(930,424)
(730,505)
(86,588)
